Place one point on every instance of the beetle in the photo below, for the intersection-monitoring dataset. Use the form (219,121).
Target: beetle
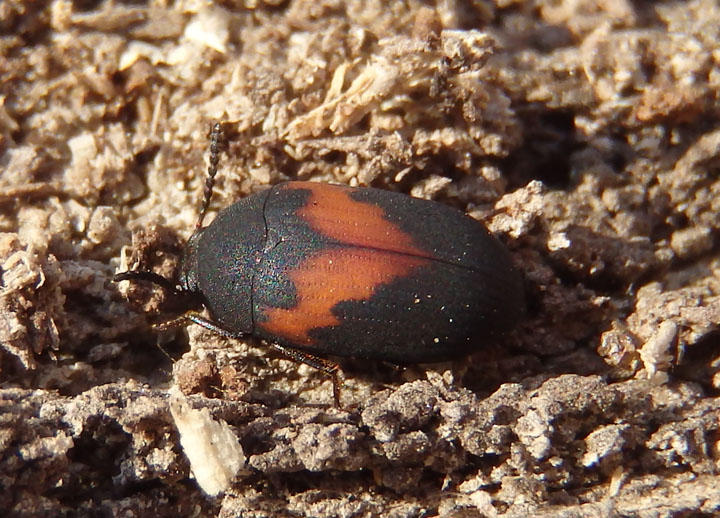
(319,270)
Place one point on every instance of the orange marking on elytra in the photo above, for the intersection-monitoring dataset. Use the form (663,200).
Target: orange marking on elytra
(332,212)
(376,252)
(334,275)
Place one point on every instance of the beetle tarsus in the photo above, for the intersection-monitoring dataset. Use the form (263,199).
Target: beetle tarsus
(328,367)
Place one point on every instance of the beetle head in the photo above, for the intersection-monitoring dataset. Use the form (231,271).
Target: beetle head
(189,264)
(185,282)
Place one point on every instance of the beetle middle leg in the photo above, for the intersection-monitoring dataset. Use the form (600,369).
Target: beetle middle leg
(328,367)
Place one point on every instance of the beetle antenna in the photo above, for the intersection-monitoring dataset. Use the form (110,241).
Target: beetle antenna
(146,276)
(217,144)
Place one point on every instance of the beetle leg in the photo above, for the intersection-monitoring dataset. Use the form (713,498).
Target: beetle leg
(328,367)
(196,318)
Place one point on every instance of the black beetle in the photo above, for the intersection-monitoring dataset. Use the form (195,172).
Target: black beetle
(317,269)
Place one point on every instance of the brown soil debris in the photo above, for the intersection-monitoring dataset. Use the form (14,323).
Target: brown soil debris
(583,133)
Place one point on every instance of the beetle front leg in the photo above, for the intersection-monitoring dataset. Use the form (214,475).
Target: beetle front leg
(328,367)
(196,318)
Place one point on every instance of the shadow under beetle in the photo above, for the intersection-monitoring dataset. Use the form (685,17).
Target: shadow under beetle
(317,269)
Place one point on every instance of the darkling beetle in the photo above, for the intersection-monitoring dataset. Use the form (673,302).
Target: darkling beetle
(316,269)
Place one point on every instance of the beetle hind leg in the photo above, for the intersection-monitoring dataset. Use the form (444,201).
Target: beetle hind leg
(328,367)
